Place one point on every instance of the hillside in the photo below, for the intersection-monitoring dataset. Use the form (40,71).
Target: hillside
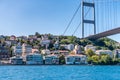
(102,43)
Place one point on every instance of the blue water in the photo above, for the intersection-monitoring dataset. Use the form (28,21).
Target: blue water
(59,72)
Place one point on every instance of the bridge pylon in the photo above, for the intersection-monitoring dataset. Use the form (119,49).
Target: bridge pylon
(88,21)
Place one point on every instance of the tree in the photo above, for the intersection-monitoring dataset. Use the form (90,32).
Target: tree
(106,60)
(89,60)
(64,41)
(62,59)
(89,53)
(95,59)
(37,34)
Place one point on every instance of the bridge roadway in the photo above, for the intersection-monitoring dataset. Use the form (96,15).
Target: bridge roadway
(104,34)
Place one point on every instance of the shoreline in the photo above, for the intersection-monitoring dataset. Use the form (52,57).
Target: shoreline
(52,65)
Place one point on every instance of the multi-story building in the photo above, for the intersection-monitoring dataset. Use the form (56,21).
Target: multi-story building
(68,47)
(77,50)
(34,58)
(76,59)
(56,44)
(26,49)
(51,59)
(4,53)
(18,50)
(71,46)
(45,41)
(107,52)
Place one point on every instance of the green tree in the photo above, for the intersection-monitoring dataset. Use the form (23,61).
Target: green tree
(62,59)
(89,60)
(106,60)
(89,53)
(95,59)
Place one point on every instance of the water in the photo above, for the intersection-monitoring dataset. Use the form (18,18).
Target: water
(59,72)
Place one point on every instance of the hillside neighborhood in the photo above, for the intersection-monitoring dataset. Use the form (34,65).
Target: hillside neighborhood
(50,49)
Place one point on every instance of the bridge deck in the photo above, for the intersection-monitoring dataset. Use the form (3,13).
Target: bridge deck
(104,34)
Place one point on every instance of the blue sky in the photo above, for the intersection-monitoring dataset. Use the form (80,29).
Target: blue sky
(25,17)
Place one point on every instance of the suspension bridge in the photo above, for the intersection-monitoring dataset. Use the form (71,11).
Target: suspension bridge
(99,18)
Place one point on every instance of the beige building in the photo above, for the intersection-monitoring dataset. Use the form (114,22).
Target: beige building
(77,50)
(26,49)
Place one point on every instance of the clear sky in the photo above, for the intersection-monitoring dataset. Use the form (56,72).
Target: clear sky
(25,17)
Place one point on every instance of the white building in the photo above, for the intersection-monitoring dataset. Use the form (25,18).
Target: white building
(35,58)
(51,59)
(8,42)
(107,52)
(17,60)
(18,50)
(77,50)
(26,49)
(93,48)
(71,46)
(76,59)
(56,44)
(45,41)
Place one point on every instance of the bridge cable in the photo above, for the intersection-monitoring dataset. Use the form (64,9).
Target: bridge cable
(72,19)
(80,22)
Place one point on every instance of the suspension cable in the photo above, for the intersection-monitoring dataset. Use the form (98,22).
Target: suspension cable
(72,19)
(80,22)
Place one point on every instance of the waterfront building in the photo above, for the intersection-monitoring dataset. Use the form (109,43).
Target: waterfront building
(17,60)
(51,59)
(35,58)
(107,52)
(26,49)
(93,48)
(76,59)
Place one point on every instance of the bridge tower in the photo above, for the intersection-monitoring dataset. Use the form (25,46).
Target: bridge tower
(90,5)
